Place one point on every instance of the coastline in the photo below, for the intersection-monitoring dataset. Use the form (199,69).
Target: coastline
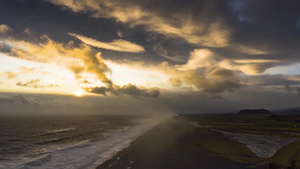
(168,145)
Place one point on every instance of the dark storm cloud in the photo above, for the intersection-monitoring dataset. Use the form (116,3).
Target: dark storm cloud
(267,25)
(234,28)
(249,29)
(126,90)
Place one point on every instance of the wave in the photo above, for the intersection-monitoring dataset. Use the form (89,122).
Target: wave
(61,130)
(52,132)
(38,160)
(48,141)
(89,153)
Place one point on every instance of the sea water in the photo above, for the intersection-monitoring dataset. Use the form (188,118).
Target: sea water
(67,141)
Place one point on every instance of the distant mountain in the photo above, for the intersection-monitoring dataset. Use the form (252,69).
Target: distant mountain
(254,111)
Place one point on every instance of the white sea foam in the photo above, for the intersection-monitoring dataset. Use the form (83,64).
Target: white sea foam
(88,153)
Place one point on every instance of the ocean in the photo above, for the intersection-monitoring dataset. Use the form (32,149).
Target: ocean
(82,141)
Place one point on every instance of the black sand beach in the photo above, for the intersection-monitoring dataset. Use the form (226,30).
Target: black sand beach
(170,145)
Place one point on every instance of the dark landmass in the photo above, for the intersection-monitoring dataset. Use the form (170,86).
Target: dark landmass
(254,111)
(199,142)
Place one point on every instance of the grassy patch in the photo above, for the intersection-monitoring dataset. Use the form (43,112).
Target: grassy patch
(287,153)
(225,147)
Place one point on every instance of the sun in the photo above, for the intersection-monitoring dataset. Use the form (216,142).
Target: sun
(79,93)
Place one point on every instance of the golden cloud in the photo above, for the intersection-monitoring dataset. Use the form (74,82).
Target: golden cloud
(200,58)
(252,50)
(35,84)
(116,45)
(65,55)
(79,60)
(5,28)
(213,80)
(203,58)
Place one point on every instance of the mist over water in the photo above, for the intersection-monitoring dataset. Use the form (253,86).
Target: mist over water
(80,141)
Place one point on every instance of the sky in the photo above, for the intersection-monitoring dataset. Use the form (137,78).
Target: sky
(153,56)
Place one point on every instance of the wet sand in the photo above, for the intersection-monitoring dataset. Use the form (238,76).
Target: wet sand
(169,145)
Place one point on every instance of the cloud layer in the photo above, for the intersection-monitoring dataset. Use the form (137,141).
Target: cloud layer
(202,27)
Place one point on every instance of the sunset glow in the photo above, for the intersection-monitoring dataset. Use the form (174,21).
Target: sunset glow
(116,49)
(79,93)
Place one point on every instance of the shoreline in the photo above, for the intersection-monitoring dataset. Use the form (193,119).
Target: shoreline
(168,145)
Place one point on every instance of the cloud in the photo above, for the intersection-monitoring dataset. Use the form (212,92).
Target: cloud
(79,60)
(27,70)
(20,99)
(216,80)
(130,90)
(200,73)
(253,51)
(197,24)
(175,81)
(212,73)
(203,75)
(5,28)
(208,72)
(28,32)
(82,58)
(203,58)
(255,68)
(200,58)
(10,75)
(35,84)
(116,45)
